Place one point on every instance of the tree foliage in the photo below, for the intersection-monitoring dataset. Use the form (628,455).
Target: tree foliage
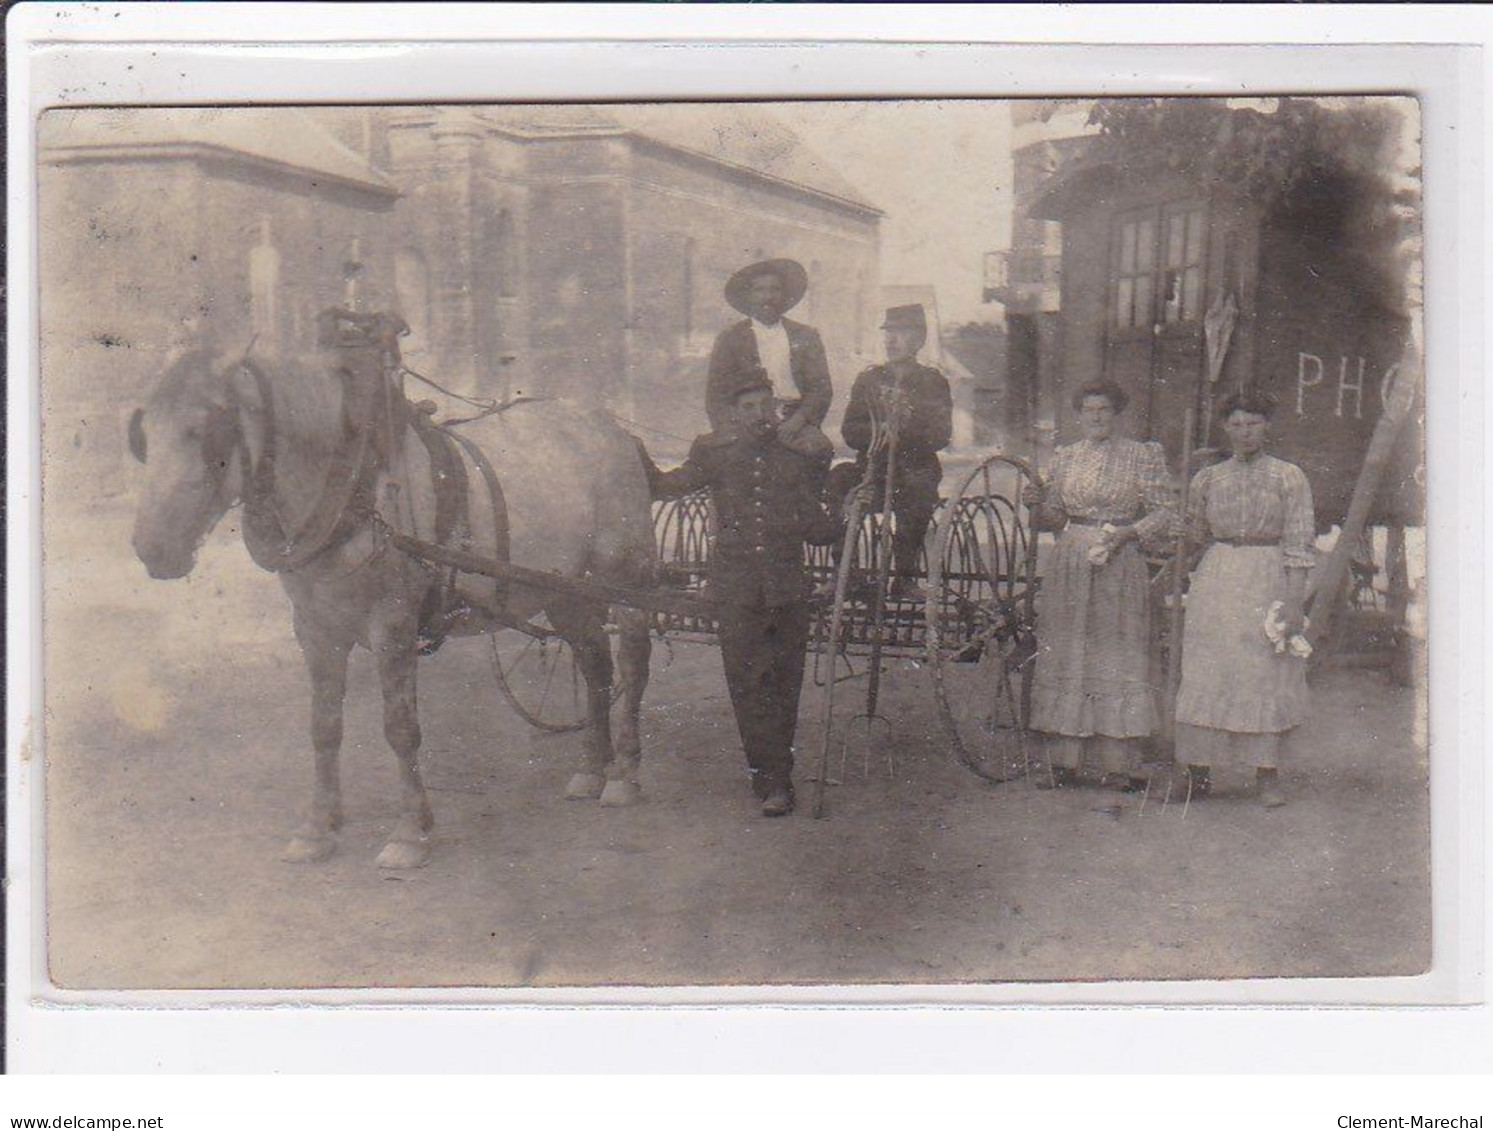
(1329,170)
(1269,155)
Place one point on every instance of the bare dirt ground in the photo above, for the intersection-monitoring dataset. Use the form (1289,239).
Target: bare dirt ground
(178,764)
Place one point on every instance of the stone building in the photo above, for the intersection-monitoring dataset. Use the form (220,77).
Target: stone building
(163,228)
(558,250)
(581,251)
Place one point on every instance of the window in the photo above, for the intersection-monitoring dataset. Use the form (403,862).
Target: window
(1158,266)
(1182,271)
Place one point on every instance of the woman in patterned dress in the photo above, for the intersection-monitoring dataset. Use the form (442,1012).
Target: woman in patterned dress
(1240,693)
(1092,695)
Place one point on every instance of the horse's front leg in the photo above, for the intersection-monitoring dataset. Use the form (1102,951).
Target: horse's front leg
(326,661)
(394,645)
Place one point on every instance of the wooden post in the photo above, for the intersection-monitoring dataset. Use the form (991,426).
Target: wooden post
(1179,575)
(1330,577)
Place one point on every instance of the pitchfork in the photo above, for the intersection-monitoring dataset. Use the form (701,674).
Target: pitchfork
(879,441)
(870,724)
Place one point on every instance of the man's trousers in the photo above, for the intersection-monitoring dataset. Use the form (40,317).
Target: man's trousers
(763,650)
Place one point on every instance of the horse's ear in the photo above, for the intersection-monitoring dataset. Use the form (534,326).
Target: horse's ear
(137,434)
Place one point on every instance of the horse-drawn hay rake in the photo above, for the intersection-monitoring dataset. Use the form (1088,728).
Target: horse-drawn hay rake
(975,629)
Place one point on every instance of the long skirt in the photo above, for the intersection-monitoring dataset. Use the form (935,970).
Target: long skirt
(1094,631)
(1238,694)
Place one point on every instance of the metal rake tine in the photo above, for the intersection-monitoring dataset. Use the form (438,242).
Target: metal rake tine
(1141,812)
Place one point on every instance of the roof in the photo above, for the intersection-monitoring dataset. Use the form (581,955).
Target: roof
(749,138)
(1077,186)
(746,138)
(281,138)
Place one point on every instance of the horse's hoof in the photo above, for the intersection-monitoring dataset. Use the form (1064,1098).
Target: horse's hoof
(585,787)
(308,849)
(400,854)
(620,793)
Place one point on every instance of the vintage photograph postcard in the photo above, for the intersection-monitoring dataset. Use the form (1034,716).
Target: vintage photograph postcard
(733,544)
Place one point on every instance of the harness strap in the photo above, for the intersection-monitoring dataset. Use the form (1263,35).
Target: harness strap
(448,475)
(346,497)
(501,548)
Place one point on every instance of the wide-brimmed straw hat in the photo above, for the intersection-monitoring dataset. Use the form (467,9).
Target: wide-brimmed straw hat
(794,278)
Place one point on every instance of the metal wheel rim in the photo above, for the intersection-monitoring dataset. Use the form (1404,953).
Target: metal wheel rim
(565,723)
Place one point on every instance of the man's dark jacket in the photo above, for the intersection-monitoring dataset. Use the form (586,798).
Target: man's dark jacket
(735,357)
(927,427)
(767,503)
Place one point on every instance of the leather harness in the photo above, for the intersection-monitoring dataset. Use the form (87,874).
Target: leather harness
(347,499)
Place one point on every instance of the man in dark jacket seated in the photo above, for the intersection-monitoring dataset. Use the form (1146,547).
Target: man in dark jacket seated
(918,395)
(768,502)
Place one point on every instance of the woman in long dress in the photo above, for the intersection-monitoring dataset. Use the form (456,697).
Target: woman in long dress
(1092,695)
(1242,692)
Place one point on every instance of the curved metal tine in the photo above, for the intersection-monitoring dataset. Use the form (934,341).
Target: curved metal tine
(995,542)
(977,555)
(844,654)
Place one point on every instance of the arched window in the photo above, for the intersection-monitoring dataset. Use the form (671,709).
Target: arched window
(412,288)
(352,273)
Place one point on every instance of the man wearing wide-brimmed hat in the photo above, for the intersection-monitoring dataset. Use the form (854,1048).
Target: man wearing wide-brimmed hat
(919,397)
(789,354)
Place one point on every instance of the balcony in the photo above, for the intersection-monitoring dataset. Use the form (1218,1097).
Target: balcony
(1023,278)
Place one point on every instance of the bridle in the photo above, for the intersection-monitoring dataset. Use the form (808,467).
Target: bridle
(221,439)
(344,502)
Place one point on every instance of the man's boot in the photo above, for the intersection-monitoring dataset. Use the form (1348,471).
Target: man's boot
(779,800)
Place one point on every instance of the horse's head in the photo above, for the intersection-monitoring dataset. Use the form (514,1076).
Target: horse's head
(187,436)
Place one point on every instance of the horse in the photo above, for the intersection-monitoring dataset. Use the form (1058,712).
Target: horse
(325,499)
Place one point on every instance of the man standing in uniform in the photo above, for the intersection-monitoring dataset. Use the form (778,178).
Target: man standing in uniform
(768,501)
(789,354)
(919,396)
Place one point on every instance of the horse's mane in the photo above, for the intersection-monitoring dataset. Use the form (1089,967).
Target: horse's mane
(308,399)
